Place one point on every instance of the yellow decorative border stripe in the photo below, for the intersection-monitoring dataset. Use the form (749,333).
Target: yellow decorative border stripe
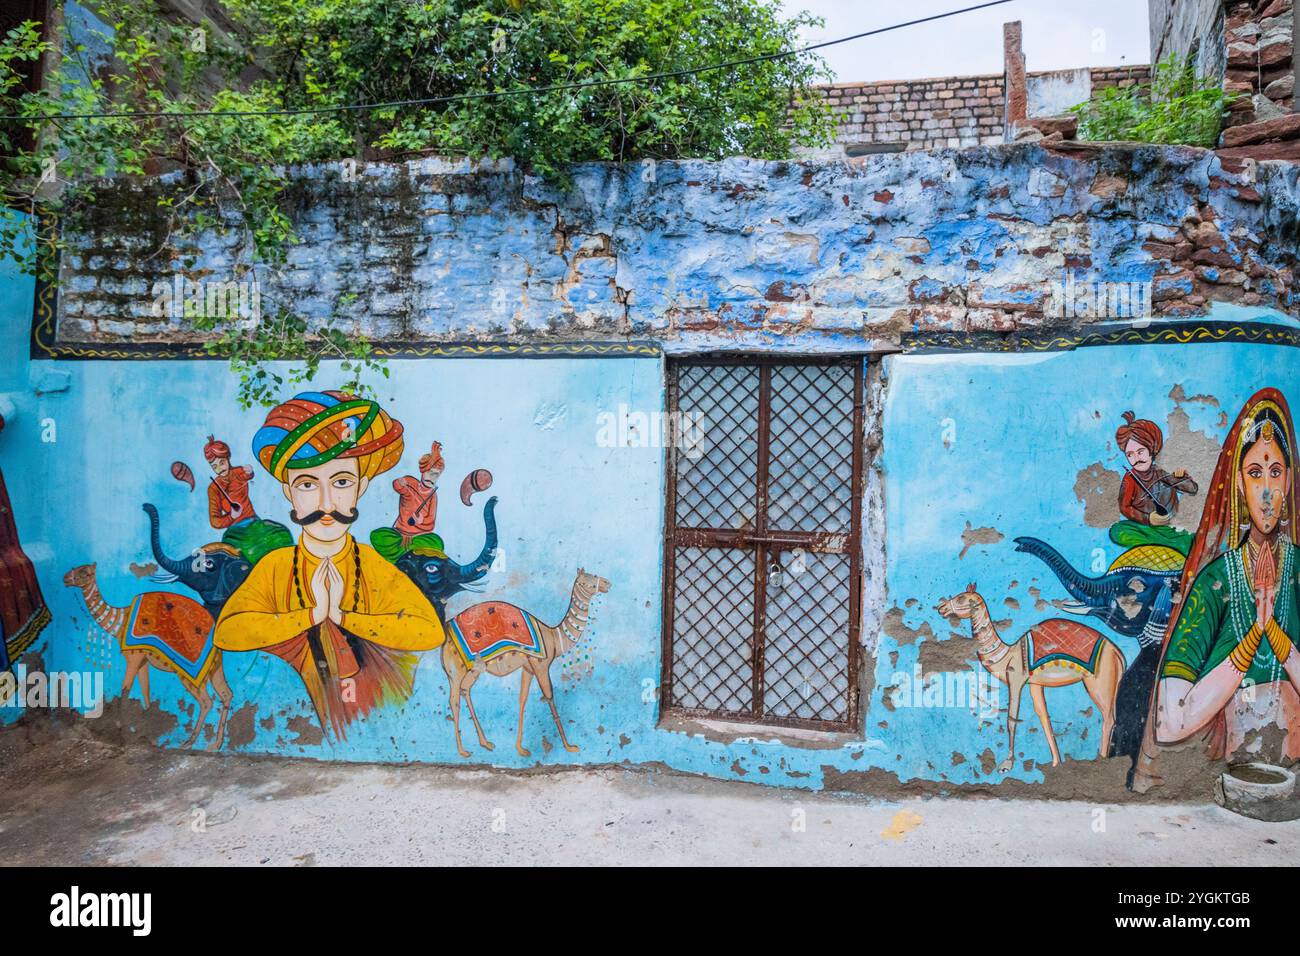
(490,349)
(1163,332)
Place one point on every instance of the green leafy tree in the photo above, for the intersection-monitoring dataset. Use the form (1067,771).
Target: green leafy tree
(546,82)
(1176,108)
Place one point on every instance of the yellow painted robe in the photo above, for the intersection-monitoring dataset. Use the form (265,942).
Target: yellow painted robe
(383,622)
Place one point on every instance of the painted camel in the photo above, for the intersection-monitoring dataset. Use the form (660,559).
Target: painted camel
(1052,653)
(498,639)
(169,631)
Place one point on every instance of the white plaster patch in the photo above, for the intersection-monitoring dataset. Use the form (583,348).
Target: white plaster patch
(550,414)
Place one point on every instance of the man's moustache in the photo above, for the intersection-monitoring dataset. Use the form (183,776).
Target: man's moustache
(315,516)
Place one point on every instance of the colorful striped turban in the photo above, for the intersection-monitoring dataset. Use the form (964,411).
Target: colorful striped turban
(315,427)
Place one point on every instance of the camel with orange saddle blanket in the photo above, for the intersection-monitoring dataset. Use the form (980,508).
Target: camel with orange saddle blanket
(498,638)
(169,631)
(1053,653)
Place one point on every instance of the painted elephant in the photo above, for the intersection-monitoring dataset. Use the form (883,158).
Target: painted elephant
(1126,599)
(213,571)
(1133,601)
(438,578)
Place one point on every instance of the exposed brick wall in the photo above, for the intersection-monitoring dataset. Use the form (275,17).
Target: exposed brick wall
(1260,50)
(1248,45)
(953,111)
(1104,76)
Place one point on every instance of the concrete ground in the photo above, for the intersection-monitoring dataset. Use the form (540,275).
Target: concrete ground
(71,799)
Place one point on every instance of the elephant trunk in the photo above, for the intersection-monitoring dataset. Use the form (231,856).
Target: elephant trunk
(170,565)
(1091,591)
(479,566)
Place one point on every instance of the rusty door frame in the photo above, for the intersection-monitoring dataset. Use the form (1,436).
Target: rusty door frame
(763,542)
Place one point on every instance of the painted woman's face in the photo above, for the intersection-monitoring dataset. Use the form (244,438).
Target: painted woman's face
(1264,481)
(1138,454)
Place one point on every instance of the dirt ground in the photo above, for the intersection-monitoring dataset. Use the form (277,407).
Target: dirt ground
(72,799)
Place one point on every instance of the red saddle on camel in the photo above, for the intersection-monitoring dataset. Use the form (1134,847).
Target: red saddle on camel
(488,630)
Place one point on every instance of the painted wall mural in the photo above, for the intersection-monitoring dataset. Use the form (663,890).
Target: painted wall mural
(1145,586)
(1191,600)
(1136,595)
(1213,611)
(168,631)
(1085,530)
(350,619)
(499,639)
(1055,653)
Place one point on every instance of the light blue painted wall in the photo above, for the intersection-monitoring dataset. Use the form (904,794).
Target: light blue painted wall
(564,502)
(1025,426)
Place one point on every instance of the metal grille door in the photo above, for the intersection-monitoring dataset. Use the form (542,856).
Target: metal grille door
(762,603)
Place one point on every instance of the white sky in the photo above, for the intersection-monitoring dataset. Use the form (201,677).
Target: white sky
(1058,34)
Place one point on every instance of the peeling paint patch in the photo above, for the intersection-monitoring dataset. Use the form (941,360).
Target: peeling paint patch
(1194,451)
(988,761)
(307,732)
(900,632)
(937,656)
(971,537)
(1181,397)
(1097,487)
(240,729)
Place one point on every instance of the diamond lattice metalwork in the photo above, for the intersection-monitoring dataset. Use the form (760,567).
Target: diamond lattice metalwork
(811,484)
(714,627)
(806,661)
(763,516)
(717,479)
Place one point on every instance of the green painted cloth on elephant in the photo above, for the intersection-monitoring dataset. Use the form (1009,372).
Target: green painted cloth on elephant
(1134,534)
(1209,628)
(255,537)
(391,545)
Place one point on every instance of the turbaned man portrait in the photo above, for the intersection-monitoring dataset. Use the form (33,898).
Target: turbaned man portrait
(346,620)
